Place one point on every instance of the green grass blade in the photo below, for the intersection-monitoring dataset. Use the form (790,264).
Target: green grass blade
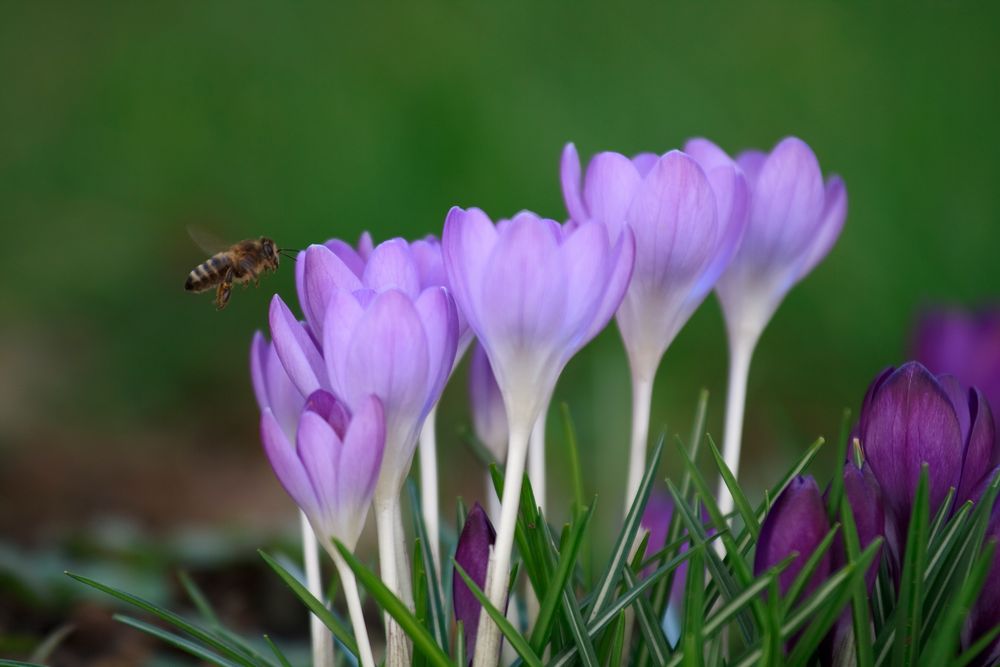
(435,599)
(694,612)
(573,460)
(422,639)
(460,659)
(911,599)
(517,641)
(739,499)
(839,459)
(942,515)
(618,642)
(977,647)
(626,538)
(176,641)
(320,610)
(420,602)
(649,625)
(277,652)
(209,639)
(198,598)
(860,614)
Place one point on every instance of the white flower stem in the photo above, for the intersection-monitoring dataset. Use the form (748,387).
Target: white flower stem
(536,458)
(642,397)
(350,586)
(429,487)
(322,640)
(488,638)
(740,352)
(397,644)
(492,501)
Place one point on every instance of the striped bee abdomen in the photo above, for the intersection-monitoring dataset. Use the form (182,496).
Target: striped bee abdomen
(208,274)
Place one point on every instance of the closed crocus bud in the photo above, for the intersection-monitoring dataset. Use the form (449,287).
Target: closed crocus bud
(965,344)
(795,218)
(489,419)
(797,523)
(534,293)
(687,220)
(910,417)
(865,498)
(985,613)
(473,555)
(331,469)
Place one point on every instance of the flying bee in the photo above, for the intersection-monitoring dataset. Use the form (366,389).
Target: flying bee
(240,263)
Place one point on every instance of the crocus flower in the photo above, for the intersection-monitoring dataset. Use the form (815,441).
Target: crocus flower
(910,417)
(795,218)
(985,613)
(473,555)
(534,292)
(965,344)
(489,419)
(797,523)
(865,498)
(688,220)
(331,469)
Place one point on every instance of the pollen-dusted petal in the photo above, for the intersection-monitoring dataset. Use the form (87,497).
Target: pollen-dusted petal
(473,555)
(296,349)
(391,266)
(440,320)
(569,175)
(286,464)
(796,523)
(324,272)
(467,243)
(910,421)
(608,188)
(831,224)
(342,316)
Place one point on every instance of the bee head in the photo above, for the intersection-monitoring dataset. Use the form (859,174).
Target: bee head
(269,250)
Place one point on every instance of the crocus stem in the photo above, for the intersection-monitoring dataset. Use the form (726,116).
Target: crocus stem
(492,501)
(642,397)
(350,586)
(429,486)
(322,640)
(536,458)
(740,352)
(402,558)
(397,645)
(488,636)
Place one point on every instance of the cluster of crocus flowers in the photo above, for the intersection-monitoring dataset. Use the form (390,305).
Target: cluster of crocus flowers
(646,241)
(909,417)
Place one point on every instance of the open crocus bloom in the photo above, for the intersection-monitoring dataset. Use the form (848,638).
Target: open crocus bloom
(331,469)
(534,292)
(687,219)
(795,218)
(910,417)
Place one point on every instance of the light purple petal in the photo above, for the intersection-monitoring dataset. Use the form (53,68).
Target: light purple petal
(586,262)
(285,399)
(440,319)
(622,262)
(430,262)
(473,555)
(708,155)
(609,185)
(286,464)
(467,243)
(319,449)
(391,266)
(361,459)
(644,162)
(296,349)
(258,353)
(489,417)
(332,411)
(324,273)
(834,214)
(365,245)
(751,162)
(569,173)
(342,317)
(348,255)
(732,199)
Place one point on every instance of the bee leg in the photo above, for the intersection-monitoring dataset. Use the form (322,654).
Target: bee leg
(224,290)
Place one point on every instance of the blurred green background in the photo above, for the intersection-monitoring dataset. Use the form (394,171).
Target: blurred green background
(121,124)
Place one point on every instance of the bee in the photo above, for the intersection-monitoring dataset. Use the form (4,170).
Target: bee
(240,263)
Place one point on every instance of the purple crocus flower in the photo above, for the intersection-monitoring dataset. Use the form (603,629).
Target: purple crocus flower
(489,419)
(965,344)
(865,498)
(272,386)
(378,334)
(985,613)
(910,417)
(797,523)
(473,554)
(534,292)
(331,470)
(687,220)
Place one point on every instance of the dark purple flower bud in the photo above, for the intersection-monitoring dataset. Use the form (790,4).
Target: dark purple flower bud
(473,554)
(911,417)
(965,344)
(797,523)
(985,614)
(865,498)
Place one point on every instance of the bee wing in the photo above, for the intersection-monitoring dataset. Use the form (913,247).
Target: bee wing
(206,240)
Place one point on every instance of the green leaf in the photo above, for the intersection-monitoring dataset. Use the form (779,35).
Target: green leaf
(573,461)
(977,647)
(515,638)
(617,641)
(232,652)
(422,639)
(460,658)
(198,598)
(176,641)
(740,500)
(911,591)
(319,609)
(572,617)
(626,538)
(419,593)
(649,624)
(808,569)
(840,459)
(277,652)
(435,599)
(694,609)
(860,614)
